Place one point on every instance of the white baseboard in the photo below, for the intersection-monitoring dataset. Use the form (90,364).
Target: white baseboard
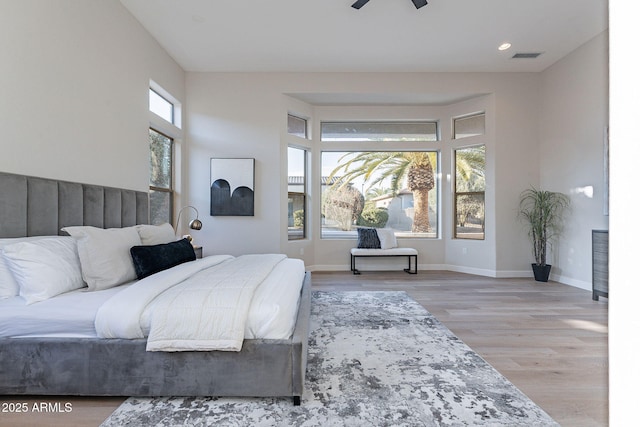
(504,274)
(571,282)
(471,270)
(347,267)
(313,268)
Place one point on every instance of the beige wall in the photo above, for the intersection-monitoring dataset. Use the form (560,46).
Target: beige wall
(573,122)
(243,115)
(74,79)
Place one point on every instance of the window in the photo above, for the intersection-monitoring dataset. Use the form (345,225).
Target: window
(297,189)
(393,189)
(464,127)
(297,126)
(379,131)
(469,192)
(161,106)
(297,180)
(387,184)
(164,137)
(160,177)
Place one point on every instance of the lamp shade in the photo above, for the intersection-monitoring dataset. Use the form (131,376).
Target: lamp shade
(194,224)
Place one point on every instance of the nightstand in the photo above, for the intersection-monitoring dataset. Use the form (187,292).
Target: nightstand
(198,251)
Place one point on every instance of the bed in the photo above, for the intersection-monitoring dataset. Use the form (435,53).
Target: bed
(83,362)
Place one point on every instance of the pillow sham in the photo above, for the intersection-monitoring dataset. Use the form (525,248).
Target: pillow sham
(8,285)
(104,255)
(387,238)
(44,268)
(156,234)
(148,260)
(368,238)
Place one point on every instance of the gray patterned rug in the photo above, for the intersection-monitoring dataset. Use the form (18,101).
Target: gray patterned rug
(375,359)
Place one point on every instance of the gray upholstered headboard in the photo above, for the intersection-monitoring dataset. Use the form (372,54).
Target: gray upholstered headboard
(31,206)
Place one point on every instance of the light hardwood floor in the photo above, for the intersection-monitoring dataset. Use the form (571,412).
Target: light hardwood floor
(549,339)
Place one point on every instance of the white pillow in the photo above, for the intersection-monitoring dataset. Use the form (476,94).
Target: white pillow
(156,234)
(8,285)
(387,238)
(104,255)
(44,268)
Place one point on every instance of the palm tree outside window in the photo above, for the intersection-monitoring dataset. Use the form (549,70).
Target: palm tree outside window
(390,188)
(469,192)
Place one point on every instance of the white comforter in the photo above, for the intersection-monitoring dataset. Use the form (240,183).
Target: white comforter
(200,305)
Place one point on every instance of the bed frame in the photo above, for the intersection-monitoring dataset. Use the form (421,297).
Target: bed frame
(32,206)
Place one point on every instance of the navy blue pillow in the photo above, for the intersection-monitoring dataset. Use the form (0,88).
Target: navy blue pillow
(368,238)
(151,259)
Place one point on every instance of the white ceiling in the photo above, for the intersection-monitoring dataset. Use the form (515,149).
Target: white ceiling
(383,36)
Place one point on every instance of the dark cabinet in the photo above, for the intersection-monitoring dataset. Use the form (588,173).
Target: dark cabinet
(600,263)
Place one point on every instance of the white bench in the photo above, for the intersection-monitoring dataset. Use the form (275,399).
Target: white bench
(410,253)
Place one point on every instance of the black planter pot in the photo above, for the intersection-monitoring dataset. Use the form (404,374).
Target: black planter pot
(541,272)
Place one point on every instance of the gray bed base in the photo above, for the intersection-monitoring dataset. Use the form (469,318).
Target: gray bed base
(116,367)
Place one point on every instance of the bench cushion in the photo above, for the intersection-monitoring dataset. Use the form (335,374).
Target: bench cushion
(383,252)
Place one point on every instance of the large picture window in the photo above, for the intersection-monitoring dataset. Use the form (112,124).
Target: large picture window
(392,189)
(469,192)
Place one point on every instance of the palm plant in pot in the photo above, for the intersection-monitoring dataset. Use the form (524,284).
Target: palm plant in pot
(542,211)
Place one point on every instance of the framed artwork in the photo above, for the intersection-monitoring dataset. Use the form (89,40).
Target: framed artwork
(232,187)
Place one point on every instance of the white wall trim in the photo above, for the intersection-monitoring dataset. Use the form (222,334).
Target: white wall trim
(471,270)
(571,282)
(504,274)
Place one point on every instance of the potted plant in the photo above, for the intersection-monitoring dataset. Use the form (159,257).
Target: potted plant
(542,211)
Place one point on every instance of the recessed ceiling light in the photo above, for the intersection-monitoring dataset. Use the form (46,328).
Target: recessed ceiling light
(504,46)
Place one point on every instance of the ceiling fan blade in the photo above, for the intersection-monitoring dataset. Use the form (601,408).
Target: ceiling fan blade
(419,3)
(359,3)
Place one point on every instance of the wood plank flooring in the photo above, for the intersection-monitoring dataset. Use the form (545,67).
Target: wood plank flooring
(549,339)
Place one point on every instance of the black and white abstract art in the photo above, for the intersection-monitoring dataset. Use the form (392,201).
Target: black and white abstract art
(232,187)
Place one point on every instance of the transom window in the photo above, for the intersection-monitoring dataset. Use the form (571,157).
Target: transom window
(467,126)
(297,126)
(379,131)
(161,106)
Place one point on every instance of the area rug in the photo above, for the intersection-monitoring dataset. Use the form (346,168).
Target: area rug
(375,359)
